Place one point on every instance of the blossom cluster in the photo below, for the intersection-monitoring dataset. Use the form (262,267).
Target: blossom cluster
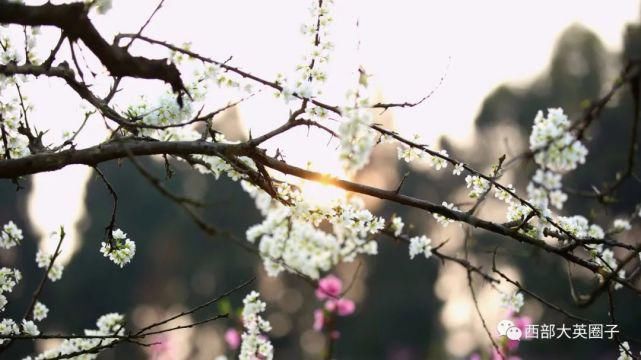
(10,235)
(120,249)
(317,33)
(580,228)
(11,101)
(254,344)
(557,151)
(289,238)
(513,301)
(311,71)
(166,120)
(9,327)
(108,324)
(17,144)
(330,290)
(164,113)
(555,147)
(411,153)
(478,186)
(9,278)
(504,194)
(46,261)
(444,221)
(420,245)
(545,188)
(11,52)
(357,139)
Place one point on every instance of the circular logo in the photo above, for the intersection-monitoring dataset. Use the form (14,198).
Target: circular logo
(514,333)
(503,326)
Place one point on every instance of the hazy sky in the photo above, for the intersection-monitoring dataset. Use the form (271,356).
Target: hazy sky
(407,45)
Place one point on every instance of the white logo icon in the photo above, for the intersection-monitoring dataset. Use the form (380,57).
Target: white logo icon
(514,333)
(503,327)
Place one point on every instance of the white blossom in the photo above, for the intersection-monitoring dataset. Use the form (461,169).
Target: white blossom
(30,328)
(620,225)
(438,162)
(607,261)
(108,324)
(624,351)
(356,138)
(420,245)
(537,196)
(40,311)
(254,343)
(442,219)
(9,278)
(289,238)
(43,259)
(555,147)
(513,301)
(596,232)
(17,144)
(397,225)
(10,235)
(517,211)
(477,184)
(558,198)
(504,195)
(548,179)
(409,154)
(8,327)
(577,226)
(120,250)
(458,169)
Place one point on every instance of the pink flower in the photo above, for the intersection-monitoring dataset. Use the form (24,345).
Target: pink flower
(329,287)
(232,338)
(345,307)
(330,305)
(319,319)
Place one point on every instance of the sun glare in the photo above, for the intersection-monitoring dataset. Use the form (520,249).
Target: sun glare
(321,194)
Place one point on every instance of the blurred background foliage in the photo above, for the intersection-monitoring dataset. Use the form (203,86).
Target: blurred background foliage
(398,316)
